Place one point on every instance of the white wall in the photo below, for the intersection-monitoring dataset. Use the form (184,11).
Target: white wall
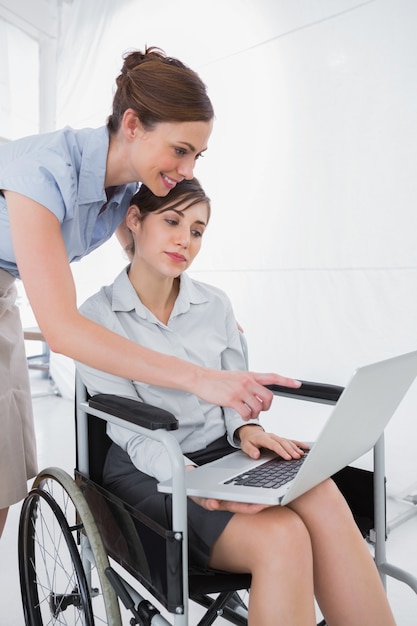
(19,70)
(310,167)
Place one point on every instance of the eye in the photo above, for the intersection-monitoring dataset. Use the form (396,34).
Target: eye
(171,221)
(199,156)
(180,151)
(197,233)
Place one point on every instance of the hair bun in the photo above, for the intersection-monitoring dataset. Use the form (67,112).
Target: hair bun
(136,57)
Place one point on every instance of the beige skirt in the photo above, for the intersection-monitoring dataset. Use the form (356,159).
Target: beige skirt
(17,436)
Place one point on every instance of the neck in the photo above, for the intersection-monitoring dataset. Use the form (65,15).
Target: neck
(117,170)
(158,294)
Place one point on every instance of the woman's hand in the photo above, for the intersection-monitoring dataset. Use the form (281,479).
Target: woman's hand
(211,504)
(253,438)
(242,391)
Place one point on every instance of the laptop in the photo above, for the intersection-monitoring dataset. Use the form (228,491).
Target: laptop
(355,424)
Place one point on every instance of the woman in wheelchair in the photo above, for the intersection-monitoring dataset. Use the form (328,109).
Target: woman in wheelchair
(310,548)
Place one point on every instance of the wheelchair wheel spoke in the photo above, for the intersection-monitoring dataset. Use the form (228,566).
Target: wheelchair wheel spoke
(59,584)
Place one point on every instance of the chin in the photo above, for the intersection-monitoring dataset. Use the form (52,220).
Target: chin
(161,191)
(157,187)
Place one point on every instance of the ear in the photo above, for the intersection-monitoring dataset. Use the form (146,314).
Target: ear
(131,124)
(133,218)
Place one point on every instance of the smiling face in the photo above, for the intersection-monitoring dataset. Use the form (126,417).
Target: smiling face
(162,157)
(167,241)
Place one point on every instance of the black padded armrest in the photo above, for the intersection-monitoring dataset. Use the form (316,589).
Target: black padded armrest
(152,417)
(145,415)
(313,392)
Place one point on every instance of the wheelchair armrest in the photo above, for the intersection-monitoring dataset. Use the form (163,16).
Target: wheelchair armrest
(312,392)
(145,415)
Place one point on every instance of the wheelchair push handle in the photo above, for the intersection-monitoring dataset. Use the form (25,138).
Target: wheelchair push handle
(310,391)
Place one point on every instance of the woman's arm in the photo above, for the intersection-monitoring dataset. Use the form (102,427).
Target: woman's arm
(46,274)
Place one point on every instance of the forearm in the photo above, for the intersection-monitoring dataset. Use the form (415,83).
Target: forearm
(94,345)
(88,342)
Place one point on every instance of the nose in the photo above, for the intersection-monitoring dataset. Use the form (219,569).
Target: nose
(183,236)
(186,168)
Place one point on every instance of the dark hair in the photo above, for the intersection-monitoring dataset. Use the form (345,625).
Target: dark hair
(187,191)
(159,89)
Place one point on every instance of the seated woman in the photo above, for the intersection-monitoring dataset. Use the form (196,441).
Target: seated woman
(310,548)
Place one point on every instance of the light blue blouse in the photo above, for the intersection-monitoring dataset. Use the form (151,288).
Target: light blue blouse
(202,329)
(64,171)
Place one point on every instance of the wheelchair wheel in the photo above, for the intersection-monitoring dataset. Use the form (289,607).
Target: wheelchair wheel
(62,560)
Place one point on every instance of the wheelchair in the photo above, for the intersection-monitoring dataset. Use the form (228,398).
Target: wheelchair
(83,552)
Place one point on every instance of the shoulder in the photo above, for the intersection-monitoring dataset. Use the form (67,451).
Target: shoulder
(110,299)
(50,151)
(98,306)
(206,291)
(33,145)
(46,167)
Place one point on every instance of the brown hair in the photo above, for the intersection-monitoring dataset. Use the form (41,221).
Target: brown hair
(187,191)
(159,89)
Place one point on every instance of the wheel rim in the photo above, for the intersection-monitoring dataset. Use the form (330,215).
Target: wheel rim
(38,515)
(55,586)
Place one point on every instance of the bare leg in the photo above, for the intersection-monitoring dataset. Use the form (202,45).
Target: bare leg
(274,546)
(347,584)
(3,517)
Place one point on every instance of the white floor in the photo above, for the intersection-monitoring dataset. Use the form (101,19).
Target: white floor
(55,436)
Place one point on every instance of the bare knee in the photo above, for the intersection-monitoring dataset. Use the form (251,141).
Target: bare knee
(281,529)
(327,490)
(250,542)
(330,495)
(323,506)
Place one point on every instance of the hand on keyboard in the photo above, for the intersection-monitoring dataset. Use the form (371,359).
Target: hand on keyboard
(253,438)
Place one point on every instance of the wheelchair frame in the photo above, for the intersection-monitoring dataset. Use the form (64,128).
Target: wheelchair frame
(74,600)
(83,595)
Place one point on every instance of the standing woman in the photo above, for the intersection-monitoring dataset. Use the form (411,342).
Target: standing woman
(62,195)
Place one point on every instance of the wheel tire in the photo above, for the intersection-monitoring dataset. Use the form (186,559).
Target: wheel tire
(57,576)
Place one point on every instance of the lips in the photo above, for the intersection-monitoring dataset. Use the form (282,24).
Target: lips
(177,258)
(168,182)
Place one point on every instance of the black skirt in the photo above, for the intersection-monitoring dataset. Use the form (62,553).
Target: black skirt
(139,490)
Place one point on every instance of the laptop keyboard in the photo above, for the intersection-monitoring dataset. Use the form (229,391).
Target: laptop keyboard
(271,474)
